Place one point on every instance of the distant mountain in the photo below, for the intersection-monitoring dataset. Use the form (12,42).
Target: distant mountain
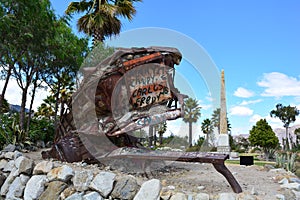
(17,108)
(280,132)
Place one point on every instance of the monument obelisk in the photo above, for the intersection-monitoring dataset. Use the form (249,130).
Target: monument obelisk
(223,141)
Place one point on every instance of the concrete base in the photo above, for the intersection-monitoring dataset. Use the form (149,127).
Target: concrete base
(223,144)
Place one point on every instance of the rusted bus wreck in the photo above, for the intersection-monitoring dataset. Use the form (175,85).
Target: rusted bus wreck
(131,89)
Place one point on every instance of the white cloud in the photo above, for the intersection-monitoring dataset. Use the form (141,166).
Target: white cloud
(255,118)
(244,103)
(273,122)
(278,85)
(241,111)
(244,93)
(203,105)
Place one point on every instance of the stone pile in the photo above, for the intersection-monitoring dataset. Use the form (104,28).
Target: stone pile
(23,178)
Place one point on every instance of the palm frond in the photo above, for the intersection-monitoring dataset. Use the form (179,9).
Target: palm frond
(78,7)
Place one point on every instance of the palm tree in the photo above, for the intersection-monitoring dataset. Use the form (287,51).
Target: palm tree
(101,17)
(287,115)
(215,119)
(207,127)
(191,115)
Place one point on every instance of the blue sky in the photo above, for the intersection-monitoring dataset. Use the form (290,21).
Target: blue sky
(257,43)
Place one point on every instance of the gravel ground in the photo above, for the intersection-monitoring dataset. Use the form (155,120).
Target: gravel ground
(191,178)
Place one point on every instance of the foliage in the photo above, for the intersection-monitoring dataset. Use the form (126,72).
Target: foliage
(10,132)
(239,144)
(215,118)
(263,136)
(286,160)
(5,106)
(191,115)
(99,53)
(101,18)
(175,141)
(287,114)
(41,128)
(197,146)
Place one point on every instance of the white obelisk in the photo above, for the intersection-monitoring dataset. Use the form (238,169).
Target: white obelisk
(223,141)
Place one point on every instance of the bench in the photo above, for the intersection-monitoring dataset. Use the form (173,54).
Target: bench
(217,160)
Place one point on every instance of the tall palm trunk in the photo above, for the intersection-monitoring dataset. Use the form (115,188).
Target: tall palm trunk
(190,133)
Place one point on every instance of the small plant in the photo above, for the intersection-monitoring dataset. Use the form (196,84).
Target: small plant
(286,160)
(280,160)
(290,165)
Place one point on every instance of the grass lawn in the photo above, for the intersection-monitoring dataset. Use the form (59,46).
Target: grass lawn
(256,162)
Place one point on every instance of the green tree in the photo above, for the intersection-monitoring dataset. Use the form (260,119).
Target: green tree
(67,52)
(191,115)
(36,19)
(263,136)
(101,18)
(287,114)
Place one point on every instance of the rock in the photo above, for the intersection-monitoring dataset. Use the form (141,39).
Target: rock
(277,170)
(166,195)
(297,194)
(9,155)
(283,181)
(149,190)
(24,165)
(178,196)
(43,167)
(171,187)
(35,187)
(82,180)
(202,196)
(3,162)
(49,144)
(67,192)
(280,196)
(53,190)
(9,166)
(12,175)
(2,179)
(92,196)
(17,187)
(244,196)
(63,173)
(253,191)
(75,196)
(103,183)
(40,144)
(201,187)
(9,148)
(17,154)
(125,188)
(227,196)
(268,167)
(294,180)
(291,186)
